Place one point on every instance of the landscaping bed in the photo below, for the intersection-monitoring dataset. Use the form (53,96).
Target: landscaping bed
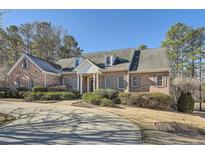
(109,97)
(40,94)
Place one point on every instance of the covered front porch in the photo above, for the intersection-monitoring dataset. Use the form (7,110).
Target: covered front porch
(87,76)
(87,82)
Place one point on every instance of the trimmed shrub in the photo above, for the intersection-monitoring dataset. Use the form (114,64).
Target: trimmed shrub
(108,93)
(106,102)
(3,94)
(20,94)
(116,100)
(29,96)
(51,96)
(126,98)
(95,99)
(9,94)
(57,88)
(39,89)
(76,92)
(147,100)
(185,103)
(68,96)
(92,98)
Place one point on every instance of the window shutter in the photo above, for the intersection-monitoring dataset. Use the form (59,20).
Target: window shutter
(164,81)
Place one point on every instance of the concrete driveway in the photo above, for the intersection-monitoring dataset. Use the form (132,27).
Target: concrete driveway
(60,124)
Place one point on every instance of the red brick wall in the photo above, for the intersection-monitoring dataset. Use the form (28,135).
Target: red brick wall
(147,83)
(52,80)
(32,72)
(114,81)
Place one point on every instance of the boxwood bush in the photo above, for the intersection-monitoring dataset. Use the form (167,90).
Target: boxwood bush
(108,93)
(106,102)
(57,88)
(92,98)
(30,96)
(39,89)
(147,100)
(96,99)
(8,93)
(3,94)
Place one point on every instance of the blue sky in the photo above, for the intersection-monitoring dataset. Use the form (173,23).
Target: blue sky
(99,30)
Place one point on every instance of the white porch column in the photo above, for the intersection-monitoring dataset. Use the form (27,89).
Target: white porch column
(78,86)
(128,82)
(94,82)
(81,84)
(97,81)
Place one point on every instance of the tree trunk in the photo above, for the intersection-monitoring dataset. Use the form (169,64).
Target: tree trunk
(200,87)
(193,69)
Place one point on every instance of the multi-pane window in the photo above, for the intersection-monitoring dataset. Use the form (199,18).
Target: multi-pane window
(77,62)
(121,82)
(75,83)
(108,82)
(68,82)
(30,84)
(159,80)
(136,81)
(108,60)
(18,84)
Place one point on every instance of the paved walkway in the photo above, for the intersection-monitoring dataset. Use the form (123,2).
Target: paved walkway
(60,124)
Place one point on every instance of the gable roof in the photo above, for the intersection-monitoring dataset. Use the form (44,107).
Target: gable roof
(148,60)
(123,57)
(43,65)
(129,59)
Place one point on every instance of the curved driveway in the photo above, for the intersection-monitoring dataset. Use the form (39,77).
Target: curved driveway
(61,124)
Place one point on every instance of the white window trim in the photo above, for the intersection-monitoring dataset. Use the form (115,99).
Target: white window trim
(75,62)
(106,82)
(132,81)
(119,82)
(157,82)
(111,60)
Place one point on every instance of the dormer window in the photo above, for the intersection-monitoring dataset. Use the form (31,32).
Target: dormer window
(24,63)
(77,62)
(108,60)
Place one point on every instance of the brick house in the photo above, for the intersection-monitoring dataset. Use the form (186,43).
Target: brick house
(127,70)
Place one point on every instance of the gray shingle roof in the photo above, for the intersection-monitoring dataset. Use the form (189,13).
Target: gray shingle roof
(153,59)
(123,57)
(45,65)
(150,60)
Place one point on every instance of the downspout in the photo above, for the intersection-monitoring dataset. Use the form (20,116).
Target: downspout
(45,80)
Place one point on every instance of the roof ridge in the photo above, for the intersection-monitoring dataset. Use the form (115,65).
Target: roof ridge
(106,51)
(51,63)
